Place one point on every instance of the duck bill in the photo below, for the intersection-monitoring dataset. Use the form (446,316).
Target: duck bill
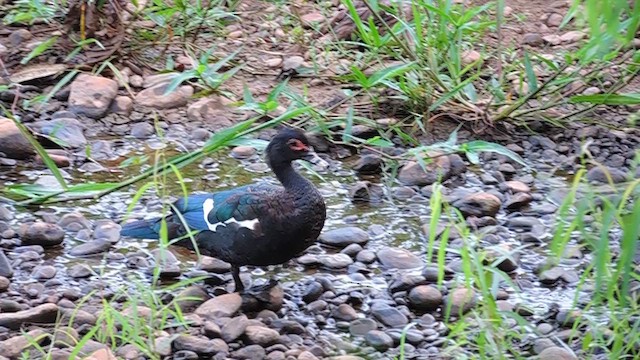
(313,158)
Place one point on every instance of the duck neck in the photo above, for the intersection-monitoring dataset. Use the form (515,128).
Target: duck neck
(289,178)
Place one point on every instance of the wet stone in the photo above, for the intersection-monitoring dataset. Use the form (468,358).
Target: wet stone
(15,346)
(107,230)
(4,284)
(343,237)
(461,300)
(479,204)
(518,200)
(551,276)
(388,315)
(368,164)
(379,340)
(425,297)
(352,250)
(366,256)
(201,346)
(412,173)
(142,130)
(91,95)
(234,328)
(44,272)
(261,335)
(251,352)
(335,261)
(404,282)
(220,306)
(92,247)
(214,265)
(44,234)
(312,292)
(6,270)
(190,298)
(344,312)
(398,258)
(5,213)
(361,327)
(46,313)
(602,174)
(556,353)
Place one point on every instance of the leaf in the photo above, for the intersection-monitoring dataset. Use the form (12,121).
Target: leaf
(473,157)
(38,50)
(379,142)
(607,99)
(389,72)
(477,146)
(346,134)
(187,75)
(532,80)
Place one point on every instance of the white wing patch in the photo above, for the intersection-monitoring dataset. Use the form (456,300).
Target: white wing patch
(207,207)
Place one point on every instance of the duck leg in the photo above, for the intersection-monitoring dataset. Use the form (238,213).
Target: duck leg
(235,272)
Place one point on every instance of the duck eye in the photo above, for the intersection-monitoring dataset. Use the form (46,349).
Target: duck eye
(297,145)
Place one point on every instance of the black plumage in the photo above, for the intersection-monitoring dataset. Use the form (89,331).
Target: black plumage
(256,224)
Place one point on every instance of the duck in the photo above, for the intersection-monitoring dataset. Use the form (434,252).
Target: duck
(258,224)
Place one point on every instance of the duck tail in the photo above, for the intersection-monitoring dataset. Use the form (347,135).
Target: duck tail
(141,229)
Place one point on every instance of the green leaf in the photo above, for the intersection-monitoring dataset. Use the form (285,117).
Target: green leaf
(478,146)
(387,73)
(179,79)
(532,80)
(607,99)
(379,142)
(346,134)
(38,50)
(473,157)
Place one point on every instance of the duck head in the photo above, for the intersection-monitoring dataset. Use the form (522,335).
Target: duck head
(289,145)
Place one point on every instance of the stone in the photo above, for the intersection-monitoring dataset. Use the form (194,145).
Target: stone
(352,250)
(412,173)
(533,39)
(592,90)
(312,18)
(360,327)
(404,282)
(44,272)
(213,111)
(154,97)
(243,152)
(554,19)
(518,200)
(292,63)
(4,284)
(68,131)
(92,95)
(379,340)
(251,352)
(45,313)
(343,237)
(234,328)
(552,39)
(539,345)
(44,234)
(168,263)
(368,164)
(200,346)
(344,312)
(12,143)
(307,355)
(19,36)
(366,256)
(14,346)
(122,105)
(262,336)
(335,261)
(220,306)
(550,276)
(388,315)
(469,57)
(68,220)
(461,300)
(190,298)
(273,63)
(92,247)
(572,36)
(397,258)
(604,174)
(556,353)
(107,230)
(479,205)
(142,130)
(6,270)
(425,297)
(79,271)
(214,265)
(517,186)
(507,259)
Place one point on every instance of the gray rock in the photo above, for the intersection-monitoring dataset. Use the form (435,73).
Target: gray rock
(556,353)
(142,130)
(379,340)
(6,270)
(360,327)
(44,272)
(79,271)
(425,297)
(44,234)
(352,250)
(185,355)
(412,173)
(214,265)
(388,315)
(45,313)
(4,284)
(92,247)
(550,276)
(533,39)
(335,261)
(69,131)
(243,152)
(12,143)
(122,105)
(403,282)
(368,164)
(168,263)
(260,335)
(398,258)
(107,230)
(518,200)
(524,223)
(601,174)
(312,292)
(344,312)
(366,256)
(200,346)
(251,352)
(91,95)
(343,237)
(5,213)
(19,36)
(190,298)
(13,347)
(234,328)
(220,306)
(214,111)
(479,205)
(155,97)
(461,300)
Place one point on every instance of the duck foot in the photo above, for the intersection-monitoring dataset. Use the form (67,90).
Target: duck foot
(260,290)
(268,296)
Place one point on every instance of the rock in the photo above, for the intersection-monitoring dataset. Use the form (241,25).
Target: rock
(533,39)
(541,344)
(312,19)
(292,63)
(243,152)
(379,340)
(479,205)
(369,164)
(262,336)
(74,219)
(344,312)
(214,265)
(572,36)
(6,270)
(185,355)
(388,315)
(552,39)
(425,297)
(592,90)
(198,345)
(517,186)
(398,258)
(602,174)
(122,105)
(4,284)
(518,200)
(550,276)
(13,347)
(405,282)
(213,111)
(107,230)
(220,306)
(366,256)
(155,97)
(168,263)
(554,19)
(190,298)
(343,237)
(44,272)
(68,131)
(412,174)
(142,130)
(556,353)
(45,313)
(273,62)
(507,259)
(335,261)
(79,271)
(44,234)
(251,352)
(19,37)
(234,328)
(12,143)
(507,168)
(352,250)
(360,327)
(461,300)
(92,247)
(468,57)
(312,292)
(91,95)
(525,223)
